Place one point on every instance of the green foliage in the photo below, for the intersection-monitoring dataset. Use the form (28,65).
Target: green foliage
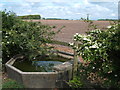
(9,84)
(30,17)
(8,19)
(100,49)
(27,38)
(76,82)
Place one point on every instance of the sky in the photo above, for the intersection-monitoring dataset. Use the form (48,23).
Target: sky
(65,9)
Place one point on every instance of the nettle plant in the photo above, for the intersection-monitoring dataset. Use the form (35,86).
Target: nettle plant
(26,38)
(100,50)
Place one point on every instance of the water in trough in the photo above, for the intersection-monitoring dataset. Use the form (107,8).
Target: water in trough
(43,65)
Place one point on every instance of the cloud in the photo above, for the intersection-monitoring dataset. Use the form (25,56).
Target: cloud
(33,0)
(74,9)
(29,11)
(77,5)
(113,14)
(1,4)
(26,5)
(103,0)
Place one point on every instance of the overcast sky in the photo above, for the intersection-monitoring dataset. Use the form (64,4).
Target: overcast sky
(66,9)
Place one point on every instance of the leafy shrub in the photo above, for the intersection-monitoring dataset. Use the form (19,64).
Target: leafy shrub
(27,38)
(76,82)
(8,19)
(100,50)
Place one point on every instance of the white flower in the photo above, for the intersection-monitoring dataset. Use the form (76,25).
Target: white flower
(93,67)
(106,66)
(110,72)
(80,35)
(77,34)
(109,26)
(75,39)
(8,42)
(94,46)
(113,32)
(71,44)
(100,44)
(86,39)
(103,60)
(6,33)
(6,36)
(115,75)
(86,47)
(9,32)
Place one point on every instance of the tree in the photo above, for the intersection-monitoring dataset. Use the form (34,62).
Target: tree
(26,38)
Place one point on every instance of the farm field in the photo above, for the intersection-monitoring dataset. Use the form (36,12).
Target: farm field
(71,27)
(59,44)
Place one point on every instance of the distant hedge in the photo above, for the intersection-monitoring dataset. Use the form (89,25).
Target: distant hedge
(107,19)
(30,17)
(55,19)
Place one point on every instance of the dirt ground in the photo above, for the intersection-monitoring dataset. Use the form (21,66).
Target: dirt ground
(71,27)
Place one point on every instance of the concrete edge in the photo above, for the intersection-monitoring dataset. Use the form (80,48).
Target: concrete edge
(12,60)
(12,67)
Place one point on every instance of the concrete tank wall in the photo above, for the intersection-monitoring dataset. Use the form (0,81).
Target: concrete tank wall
(39,79)
(62,72)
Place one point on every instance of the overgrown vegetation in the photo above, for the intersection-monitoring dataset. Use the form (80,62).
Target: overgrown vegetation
(26,38)
(11,84)
(76,82)
(100,51)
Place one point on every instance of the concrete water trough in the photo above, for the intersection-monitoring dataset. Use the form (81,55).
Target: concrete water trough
(55,79)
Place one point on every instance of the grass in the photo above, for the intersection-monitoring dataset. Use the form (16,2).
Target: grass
(11,84)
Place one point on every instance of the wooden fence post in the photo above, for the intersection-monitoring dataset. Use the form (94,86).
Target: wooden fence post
(75,62)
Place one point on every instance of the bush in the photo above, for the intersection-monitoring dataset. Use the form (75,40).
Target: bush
(100,49)
(27,38)
(8,19)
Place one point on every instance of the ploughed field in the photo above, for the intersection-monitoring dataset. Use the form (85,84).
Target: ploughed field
(71,27)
